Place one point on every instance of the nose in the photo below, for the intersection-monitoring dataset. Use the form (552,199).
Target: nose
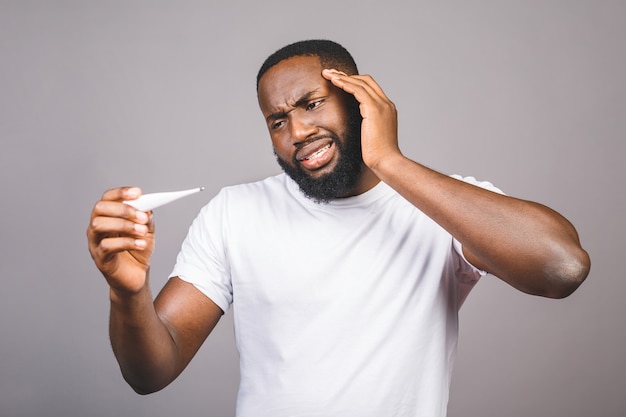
(301,128)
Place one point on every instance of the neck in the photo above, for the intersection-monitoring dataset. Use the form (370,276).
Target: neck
(367,181)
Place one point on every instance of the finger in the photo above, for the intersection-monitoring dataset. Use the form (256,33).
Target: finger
(363,92)
(107,208)
(113,245)
(122,193)
(113,226)
(364,79)
(107,249)
(363,87)
(371,83)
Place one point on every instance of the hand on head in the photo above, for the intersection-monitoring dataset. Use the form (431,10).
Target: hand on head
(379,130)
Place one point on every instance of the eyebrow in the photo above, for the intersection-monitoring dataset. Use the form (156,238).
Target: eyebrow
(299,102)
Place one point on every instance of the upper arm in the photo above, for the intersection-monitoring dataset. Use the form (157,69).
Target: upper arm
(189,315)
(473,259)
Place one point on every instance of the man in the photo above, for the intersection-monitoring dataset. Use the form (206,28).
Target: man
(346,273)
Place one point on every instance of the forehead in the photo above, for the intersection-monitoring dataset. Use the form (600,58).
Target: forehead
(287,81)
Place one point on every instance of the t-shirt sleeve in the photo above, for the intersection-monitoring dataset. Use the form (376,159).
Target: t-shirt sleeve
(468,272)
(202,259)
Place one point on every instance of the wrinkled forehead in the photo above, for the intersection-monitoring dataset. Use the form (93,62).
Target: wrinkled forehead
(288,80)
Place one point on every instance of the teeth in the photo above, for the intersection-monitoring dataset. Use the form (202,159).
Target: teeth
(318,153)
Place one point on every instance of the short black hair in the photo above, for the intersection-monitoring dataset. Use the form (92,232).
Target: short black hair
(331,55)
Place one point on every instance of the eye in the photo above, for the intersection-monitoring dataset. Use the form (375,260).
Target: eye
(277,124)
(314,104)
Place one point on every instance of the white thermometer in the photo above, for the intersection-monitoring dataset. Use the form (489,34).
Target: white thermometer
(151,201)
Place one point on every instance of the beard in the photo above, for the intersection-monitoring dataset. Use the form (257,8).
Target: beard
(344,177)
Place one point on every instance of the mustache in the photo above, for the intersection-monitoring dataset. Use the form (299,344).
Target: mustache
(312,139)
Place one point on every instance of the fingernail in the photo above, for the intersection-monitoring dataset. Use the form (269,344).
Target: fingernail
(141,228)
(334,71)
(132,192)
(141,216)
(140,244)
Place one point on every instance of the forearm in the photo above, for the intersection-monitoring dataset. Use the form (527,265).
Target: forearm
(142,344)
(526,244)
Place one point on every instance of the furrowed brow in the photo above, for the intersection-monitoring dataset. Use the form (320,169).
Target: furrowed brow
(299,102)
(305,98)
(276,115)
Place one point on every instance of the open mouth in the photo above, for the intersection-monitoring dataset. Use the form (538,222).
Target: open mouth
(316,154)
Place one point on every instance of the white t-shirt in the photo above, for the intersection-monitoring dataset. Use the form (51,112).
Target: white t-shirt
(341,309)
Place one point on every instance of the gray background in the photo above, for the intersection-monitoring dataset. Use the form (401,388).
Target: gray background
(527,94)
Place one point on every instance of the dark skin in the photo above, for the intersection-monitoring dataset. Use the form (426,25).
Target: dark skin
(526,244)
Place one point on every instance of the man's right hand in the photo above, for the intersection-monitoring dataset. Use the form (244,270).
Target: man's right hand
(121,240)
